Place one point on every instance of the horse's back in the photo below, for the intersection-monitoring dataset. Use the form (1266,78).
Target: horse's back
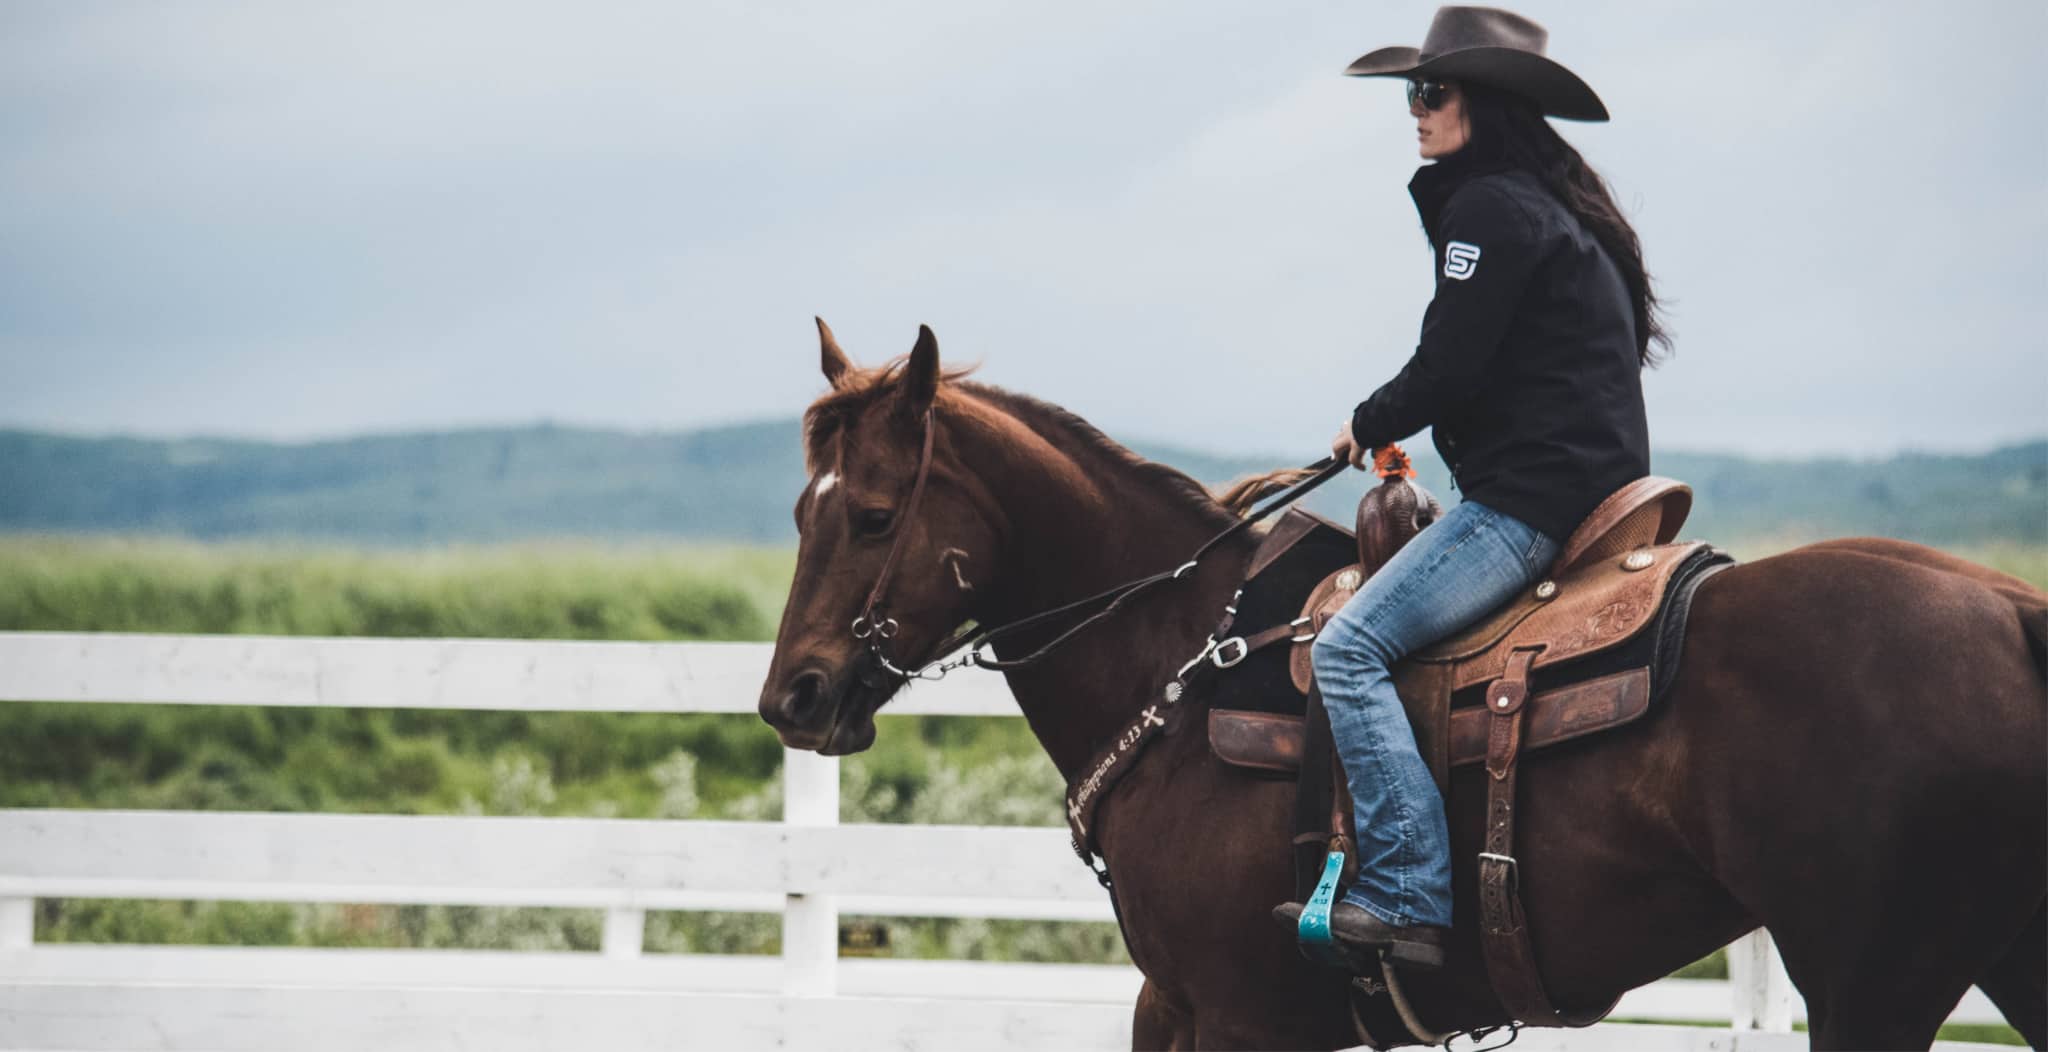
(1881,636)
(2029,602)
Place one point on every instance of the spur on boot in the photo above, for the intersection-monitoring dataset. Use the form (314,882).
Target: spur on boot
(1366,936)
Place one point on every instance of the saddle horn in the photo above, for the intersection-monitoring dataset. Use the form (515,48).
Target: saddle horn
(1393,512)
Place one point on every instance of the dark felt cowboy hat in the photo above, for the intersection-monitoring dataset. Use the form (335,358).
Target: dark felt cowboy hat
(1493,47)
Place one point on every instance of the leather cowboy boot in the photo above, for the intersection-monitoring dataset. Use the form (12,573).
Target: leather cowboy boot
(1364,936)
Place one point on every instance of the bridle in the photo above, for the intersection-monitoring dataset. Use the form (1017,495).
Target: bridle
(868,626)
(976,645)
(875,628)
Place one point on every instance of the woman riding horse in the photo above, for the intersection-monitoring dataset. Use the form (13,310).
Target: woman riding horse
(1851,754)
(1529,370)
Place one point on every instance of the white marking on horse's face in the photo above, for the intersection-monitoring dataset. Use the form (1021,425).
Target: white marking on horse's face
(824,483)
(953,557)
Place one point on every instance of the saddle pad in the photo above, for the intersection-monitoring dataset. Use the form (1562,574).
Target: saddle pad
(1593,691)
(1594,607)
(1590,610)
(1271,742)
(1594,610)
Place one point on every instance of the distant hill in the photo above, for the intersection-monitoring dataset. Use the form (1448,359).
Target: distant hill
(738,483)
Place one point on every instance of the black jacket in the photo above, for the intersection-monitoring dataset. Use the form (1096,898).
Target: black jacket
(1528,367)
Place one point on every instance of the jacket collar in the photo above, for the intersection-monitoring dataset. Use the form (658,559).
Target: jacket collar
(1434,184)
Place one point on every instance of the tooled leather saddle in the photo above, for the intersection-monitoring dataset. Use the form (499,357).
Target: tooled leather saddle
(1588,649)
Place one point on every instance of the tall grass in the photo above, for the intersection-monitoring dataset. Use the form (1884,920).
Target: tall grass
(531,591)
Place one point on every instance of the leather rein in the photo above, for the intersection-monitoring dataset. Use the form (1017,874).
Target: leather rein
(874,627)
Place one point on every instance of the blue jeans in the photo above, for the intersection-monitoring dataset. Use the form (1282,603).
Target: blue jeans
(1452,574)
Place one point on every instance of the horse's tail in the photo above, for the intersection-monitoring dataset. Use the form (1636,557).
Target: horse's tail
(2033,611)
(1242,495)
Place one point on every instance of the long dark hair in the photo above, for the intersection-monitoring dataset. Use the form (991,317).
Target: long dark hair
(1510,129)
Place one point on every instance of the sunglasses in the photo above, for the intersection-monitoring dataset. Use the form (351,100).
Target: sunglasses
(1431,93)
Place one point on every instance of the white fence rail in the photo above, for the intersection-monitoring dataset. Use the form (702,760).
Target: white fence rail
(808,868)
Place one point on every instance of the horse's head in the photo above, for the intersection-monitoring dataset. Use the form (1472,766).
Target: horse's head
(863,442)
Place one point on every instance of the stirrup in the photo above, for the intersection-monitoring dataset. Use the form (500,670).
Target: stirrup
(1313,932)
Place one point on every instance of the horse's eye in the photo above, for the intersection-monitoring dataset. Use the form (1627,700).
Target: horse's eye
(873,522)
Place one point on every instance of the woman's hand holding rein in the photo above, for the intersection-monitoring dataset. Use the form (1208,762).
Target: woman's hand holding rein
(1344,447)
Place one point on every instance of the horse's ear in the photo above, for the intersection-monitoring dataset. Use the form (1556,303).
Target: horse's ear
(921,376)
(833,360)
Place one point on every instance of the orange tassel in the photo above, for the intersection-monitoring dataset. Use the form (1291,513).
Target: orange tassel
(1390,462)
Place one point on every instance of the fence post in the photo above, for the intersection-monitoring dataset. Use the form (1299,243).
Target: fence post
(17,924)
(625,931)
(1763,992)
(810,923)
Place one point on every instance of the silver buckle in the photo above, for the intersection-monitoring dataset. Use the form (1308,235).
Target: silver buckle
(1506,860)
(1300,637)
(1221,659)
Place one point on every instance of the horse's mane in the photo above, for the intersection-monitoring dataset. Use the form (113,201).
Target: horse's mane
(1241,496)
(1061,420)
(857,389)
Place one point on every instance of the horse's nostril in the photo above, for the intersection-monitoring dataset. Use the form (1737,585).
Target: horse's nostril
(800,703)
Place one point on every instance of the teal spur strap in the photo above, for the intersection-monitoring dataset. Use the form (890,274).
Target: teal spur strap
(1313,933)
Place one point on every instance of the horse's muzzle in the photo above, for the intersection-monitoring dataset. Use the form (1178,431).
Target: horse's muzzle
(802,704)
(810,712)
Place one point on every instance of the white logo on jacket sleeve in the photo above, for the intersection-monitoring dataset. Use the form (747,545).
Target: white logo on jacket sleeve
(1460,260)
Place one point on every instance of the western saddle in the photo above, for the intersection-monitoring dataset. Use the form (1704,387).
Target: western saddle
(1579,635)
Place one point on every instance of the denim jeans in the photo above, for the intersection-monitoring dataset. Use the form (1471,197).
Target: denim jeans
(1452,574)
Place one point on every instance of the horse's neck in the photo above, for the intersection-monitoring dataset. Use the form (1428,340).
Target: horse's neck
(1071,541)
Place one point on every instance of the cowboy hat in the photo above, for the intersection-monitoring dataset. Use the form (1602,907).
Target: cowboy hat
(1489,46)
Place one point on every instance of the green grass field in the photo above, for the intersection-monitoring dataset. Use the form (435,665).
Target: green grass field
(532,591)
(970,771)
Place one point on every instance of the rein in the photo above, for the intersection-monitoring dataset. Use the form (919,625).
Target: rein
(875,628)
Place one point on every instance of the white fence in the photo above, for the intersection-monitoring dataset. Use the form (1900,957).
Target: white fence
(809,868)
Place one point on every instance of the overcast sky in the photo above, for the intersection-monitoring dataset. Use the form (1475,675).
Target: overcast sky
(300,220)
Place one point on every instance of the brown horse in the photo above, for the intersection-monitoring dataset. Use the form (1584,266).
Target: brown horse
(1853,757)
